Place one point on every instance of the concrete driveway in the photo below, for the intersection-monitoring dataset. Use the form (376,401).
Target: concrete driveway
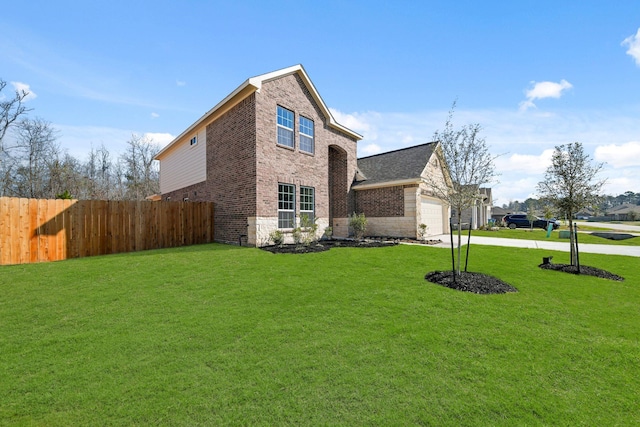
(537,244)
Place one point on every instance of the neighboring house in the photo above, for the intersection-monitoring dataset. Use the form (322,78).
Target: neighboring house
(271,151)
(480,213)
(625,212)
(390,189)
(497,213)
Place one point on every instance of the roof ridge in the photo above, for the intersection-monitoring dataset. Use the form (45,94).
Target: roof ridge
(399,149)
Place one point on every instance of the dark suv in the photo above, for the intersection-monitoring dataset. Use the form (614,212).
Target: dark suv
(519,220)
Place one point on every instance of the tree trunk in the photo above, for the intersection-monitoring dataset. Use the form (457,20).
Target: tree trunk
(572,246)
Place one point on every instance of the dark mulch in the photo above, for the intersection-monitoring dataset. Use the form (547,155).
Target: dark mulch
(325,245)
(476,283)
(614,236)
(584,270)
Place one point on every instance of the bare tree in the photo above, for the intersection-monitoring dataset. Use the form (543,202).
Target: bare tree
(465,155)
(65,175)
(570,185)
(99,172)
(141,178)
(11,109)
(35,148)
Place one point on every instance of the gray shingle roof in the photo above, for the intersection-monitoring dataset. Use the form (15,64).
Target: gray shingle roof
(406,163)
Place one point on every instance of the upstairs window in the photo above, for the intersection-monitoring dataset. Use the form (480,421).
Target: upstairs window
(193,141)
(307,202)
(285,127)
(306,135)
(286,205)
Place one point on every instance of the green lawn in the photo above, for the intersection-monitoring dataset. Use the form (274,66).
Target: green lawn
(539,234)
(221,335)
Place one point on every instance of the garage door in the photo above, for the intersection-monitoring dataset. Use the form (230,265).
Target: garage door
(431,212)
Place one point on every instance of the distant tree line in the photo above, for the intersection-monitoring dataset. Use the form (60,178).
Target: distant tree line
(605,203)
(33,165)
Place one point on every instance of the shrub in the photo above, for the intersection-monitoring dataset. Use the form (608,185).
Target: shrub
(328,232)
(277,237)
(308,230)
(358,223)
(297,235)
(422,231)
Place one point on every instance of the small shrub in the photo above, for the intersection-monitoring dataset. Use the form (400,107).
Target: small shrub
(308,230)
(297,235)
(328,232)
(277,237)
(422,231)
(358,223)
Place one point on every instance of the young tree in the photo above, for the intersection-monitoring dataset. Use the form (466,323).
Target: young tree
(531,215)
(466,157)
(570,185)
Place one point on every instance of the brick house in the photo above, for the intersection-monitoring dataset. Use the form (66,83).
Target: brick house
(271,151)
(391,191)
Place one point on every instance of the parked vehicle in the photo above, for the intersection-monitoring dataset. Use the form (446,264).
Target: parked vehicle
(519,220)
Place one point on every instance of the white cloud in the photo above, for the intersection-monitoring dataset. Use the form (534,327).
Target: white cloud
(619,156)
(161,139)
(20,87)
(180,83)
(541,90)
(634,46)
(525,163)
(357,121)
(155,115)
(371,149)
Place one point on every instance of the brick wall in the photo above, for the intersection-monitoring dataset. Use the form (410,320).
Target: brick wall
(282,164)
(231,171)
(245,164)
(381,202)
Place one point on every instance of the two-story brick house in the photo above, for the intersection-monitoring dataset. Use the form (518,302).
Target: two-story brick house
(271,151)
(268,152)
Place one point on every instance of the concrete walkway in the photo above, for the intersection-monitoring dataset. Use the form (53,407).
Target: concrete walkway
(538,244)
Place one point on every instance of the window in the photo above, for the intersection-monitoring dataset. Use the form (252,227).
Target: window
(306,135)
(285,127)
(194,140)
(286,205)
(307,204)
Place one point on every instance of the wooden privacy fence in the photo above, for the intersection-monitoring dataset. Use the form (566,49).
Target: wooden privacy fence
(33,230)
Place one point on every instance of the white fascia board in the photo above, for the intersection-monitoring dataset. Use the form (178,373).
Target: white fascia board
(387,184)
(204,117)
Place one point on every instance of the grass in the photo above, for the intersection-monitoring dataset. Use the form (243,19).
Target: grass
(539,234)
(221,335)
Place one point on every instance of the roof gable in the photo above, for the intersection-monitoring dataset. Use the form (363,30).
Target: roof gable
(252,85)
(398,165)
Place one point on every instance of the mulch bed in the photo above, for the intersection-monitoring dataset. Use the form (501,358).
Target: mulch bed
(476,283)
(585,270)
(614,236)
(325,245)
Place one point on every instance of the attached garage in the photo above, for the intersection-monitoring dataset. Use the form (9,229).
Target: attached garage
(431,213)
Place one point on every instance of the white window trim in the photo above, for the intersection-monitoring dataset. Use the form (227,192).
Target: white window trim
(293,203)
(291,129)
(193,141)
(313,202)
(311,137)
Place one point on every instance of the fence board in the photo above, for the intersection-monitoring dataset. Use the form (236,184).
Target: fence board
(34,230)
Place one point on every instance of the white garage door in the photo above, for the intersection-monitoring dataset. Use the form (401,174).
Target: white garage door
(431,212)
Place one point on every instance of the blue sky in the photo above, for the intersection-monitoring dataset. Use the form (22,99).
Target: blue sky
(534,74)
